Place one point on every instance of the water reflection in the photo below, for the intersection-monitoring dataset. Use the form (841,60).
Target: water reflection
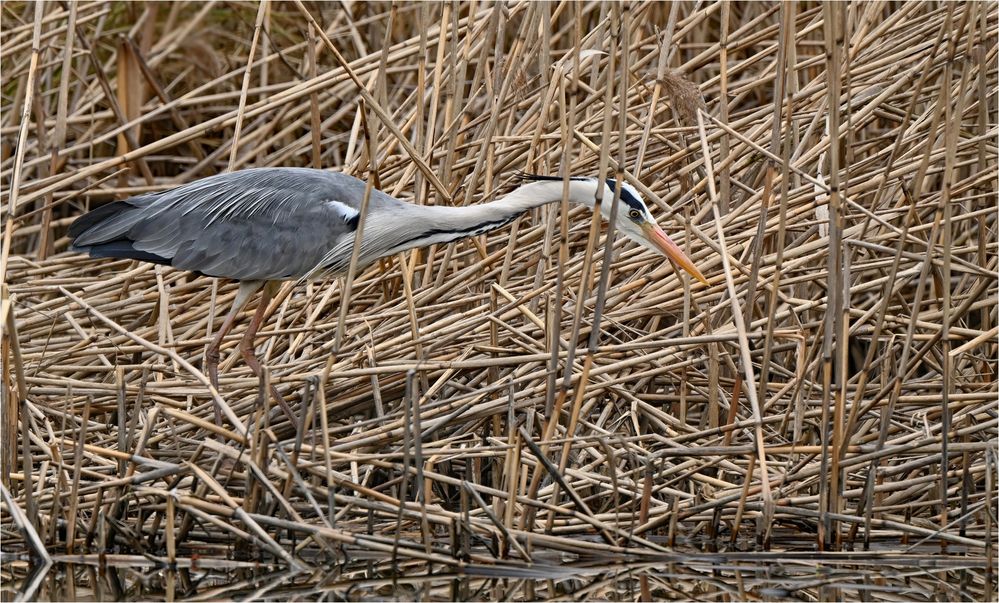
(724,576)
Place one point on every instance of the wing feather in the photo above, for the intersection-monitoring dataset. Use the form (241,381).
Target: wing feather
(258,224)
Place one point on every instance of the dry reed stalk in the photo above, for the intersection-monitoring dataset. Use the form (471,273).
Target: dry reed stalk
(835,381)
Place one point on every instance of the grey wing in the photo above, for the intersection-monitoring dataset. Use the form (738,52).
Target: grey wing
(264,224)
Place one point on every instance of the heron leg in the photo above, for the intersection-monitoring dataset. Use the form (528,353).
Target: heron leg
(246,291)
(246,344)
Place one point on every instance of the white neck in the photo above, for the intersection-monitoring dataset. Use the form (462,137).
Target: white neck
(436,224)
(415,226)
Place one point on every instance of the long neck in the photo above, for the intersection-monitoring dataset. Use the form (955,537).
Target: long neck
(434,224)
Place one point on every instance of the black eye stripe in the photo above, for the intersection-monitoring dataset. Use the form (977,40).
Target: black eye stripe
(626,196)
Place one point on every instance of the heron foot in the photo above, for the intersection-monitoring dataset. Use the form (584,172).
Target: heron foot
(212,368)
(250,357)
(212,365)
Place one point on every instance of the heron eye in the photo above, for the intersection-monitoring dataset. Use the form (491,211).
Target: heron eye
(634,214)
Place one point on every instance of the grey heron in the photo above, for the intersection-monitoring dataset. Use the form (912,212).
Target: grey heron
(265,225)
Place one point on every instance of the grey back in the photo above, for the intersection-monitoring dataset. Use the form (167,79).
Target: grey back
(255,224)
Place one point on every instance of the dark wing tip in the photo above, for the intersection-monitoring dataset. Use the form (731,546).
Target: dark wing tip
(121,249)
(96,216)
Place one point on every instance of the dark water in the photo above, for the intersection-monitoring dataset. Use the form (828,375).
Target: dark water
(696,576)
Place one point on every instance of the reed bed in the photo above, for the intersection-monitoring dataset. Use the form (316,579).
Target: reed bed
(831,168)
(681,577)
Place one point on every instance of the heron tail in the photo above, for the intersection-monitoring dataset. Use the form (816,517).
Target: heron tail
(103,233)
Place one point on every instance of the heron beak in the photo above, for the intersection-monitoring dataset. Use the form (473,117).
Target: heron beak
(656,236)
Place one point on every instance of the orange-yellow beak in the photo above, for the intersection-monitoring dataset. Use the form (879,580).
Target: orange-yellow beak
(660,241)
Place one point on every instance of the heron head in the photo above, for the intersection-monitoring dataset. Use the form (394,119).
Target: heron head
(636,222)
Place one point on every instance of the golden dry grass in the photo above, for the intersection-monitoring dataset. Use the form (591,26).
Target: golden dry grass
(495,398)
